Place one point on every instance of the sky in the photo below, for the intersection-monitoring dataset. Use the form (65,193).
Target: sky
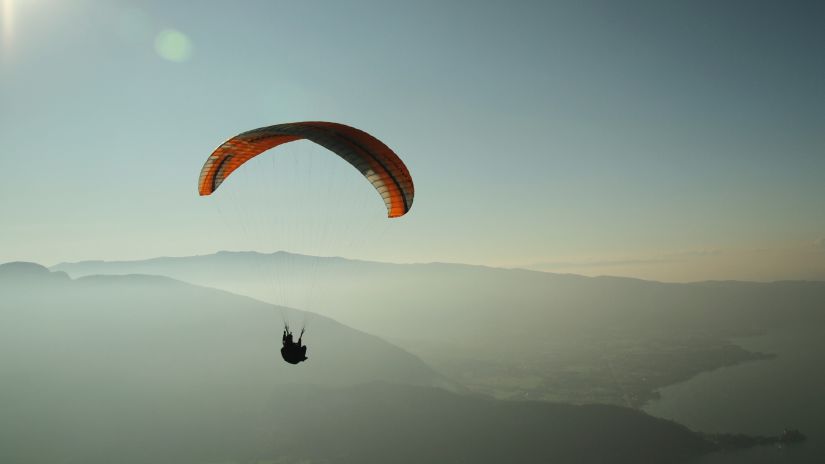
(673,141)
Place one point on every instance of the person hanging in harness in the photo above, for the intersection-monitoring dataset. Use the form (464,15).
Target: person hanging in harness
(293,352)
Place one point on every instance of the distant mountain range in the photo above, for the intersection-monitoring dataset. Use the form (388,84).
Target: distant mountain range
(136,369)
(511,332)
(133,325)
(442,302)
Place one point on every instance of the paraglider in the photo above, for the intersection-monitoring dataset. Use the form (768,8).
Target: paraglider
(371,157)
(293,352)
(376,161)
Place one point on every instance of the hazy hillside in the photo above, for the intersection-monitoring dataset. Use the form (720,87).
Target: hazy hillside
(148,369)
(380,423)
(517,333)
(422,301)
(136,328)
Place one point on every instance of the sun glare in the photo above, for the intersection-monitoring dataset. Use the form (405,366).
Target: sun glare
(7,23)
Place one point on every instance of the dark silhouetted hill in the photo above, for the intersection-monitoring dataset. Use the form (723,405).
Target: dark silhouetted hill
(393,423)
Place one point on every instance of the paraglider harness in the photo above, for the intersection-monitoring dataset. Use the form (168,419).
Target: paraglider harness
(293,352)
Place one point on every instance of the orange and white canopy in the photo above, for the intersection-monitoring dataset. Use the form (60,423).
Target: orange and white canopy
(376,161)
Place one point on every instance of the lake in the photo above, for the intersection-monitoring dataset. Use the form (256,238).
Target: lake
(759,397)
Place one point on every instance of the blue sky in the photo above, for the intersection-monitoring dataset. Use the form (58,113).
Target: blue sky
(665,140)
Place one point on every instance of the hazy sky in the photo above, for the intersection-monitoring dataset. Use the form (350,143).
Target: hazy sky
(665,140)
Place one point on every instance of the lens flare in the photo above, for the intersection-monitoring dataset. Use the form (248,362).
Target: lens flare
(173,45)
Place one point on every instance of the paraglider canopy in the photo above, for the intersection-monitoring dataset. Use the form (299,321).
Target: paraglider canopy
(377,162)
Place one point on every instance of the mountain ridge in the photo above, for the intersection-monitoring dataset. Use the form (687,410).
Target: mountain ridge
(284,253)
(100,297)
(485,326)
